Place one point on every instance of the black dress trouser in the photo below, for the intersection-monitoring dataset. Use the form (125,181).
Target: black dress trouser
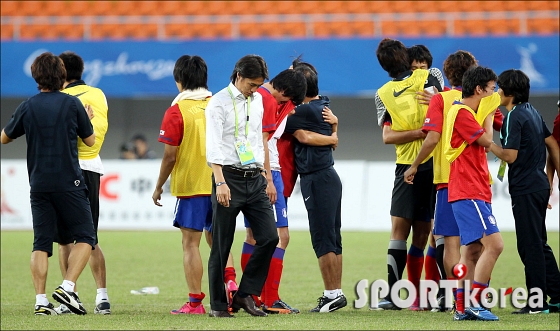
(541,270)
(248,195)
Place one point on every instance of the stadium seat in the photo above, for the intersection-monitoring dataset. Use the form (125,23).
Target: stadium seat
(503,27)
(9,8)
(543,26)
(7,32)
(106,8)
(541,5)
(432,28)
(399,28)
(36,31)
(70,32)
(474,28)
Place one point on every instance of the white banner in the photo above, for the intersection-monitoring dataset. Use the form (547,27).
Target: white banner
(127,187)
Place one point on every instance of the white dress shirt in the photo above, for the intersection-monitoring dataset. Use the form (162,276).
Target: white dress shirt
(220,127)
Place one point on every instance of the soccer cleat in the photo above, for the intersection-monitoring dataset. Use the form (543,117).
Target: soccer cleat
(457,316)
(103,308)
(416,306)
(528,310)
(326,305)
(480,314)
(280,307)
(188,309)
(385,304)
(231,289)
(554,307)
(441,305)
(45,310)
(70,299)
(63,310)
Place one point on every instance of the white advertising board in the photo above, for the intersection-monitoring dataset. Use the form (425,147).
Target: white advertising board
(127,187)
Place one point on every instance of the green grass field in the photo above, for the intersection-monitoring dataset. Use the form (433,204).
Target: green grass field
(139,259)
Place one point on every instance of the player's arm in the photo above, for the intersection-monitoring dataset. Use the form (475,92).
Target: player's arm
(428,146)
(270,188)
(401,137)
(315,139)
(89,141)
(5,138)
(485,140)
(553,160)
(167,164)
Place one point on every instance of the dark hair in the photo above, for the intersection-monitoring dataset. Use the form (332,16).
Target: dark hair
(515,83)
(311,76)
(393,57)
(292,84)
(191,72)
(477,76)
(456,64)
(420,53)
(74,65)
(250,66)
(139,136)
(48,71)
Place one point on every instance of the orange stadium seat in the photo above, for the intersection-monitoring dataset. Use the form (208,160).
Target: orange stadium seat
(69,31)
(473,28)
(399,28)
(35,31)
(543,26)
(9,8)
(503,27)
(542,5)
(7,32)
(432,28)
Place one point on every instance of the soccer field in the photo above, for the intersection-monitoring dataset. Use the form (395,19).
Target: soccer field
(140,259)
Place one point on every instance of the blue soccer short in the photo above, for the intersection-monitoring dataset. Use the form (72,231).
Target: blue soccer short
(475,219)
(193,213)
(280,206)
(445,223)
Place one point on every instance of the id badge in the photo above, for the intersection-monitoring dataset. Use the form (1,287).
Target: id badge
(244,151)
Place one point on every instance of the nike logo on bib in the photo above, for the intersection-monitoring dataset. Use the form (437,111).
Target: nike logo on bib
(77,95)
(396,94)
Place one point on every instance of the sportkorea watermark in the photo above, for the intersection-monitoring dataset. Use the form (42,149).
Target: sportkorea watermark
(428,289)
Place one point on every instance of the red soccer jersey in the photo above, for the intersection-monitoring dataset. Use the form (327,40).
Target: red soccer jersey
(269,115)
(469,171)
(171,131)
(556,128)
(434,116)
(288,171)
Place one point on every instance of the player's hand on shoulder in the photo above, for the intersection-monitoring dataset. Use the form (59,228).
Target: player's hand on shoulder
(89,111)
(329,116)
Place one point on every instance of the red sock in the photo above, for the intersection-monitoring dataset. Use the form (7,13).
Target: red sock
(414,265)
(272,283)
(246,254)
(196,299)
(229,274)
(460,301)
(480,287)
(430,265)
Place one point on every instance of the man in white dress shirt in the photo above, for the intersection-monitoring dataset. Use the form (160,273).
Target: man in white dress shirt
(235,151)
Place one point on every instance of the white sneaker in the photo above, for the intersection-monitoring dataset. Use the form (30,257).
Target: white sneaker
(63,310)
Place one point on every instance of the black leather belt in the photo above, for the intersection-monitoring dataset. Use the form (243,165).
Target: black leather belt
(242,172)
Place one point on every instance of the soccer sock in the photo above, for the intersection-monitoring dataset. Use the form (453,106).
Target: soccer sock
(68,285)
(339,292)
(246,254)
(430,265)
(396,262)
(331,294)
(196,299)
(101,295)
(439,260)
(229,274)
(460,301)
(414,264)
(270,289)
(480,287)
(41,299)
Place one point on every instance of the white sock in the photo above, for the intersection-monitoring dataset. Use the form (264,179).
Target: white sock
(339,292)
(68,285)
(41,299)
(101,295)
(331,294)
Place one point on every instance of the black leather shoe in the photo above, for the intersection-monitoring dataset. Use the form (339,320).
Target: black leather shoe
(220,313)
(248,304)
